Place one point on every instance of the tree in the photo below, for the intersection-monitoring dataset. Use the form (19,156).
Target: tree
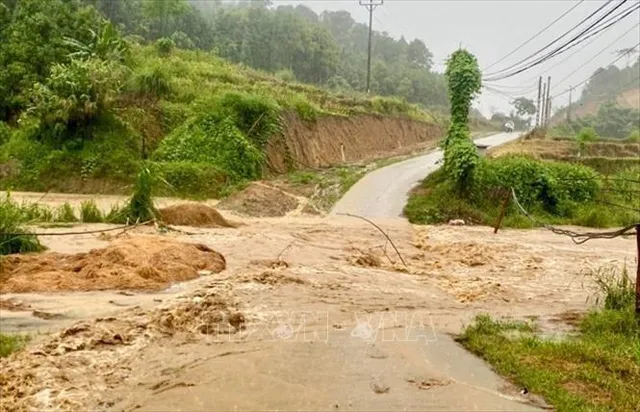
(418,54)
(524,106)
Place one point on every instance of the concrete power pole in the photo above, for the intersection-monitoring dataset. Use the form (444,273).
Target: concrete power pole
(370,5)
(548,101)
(543,104)
(538,107)
(569,107)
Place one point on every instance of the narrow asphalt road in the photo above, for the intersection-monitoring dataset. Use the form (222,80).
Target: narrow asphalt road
(384,192)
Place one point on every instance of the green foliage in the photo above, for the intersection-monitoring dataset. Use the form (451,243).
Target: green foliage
(141,207)
(587,134)
(65,213)
(90,213)
(634,136)
(152,81)
(524,106)
(461,159)
(209,139)
(5,133)
(33,34)
(616,288)
(14,238)
(192,179)
(611,121)
(181,40)
(553,192)
(464,83)
(258,117)
(164,46)
(73,96)
(11,343)
(594,369)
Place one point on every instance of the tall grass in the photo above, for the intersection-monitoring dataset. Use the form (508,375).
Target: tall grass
(14,237)
(90,213)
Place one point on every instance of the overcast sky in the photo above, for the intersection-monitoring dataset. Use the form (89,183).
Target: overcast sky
(492,29)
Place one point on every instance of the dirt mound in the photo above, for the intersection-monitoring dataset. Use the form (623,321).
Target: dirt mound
(193,214)
(140,263)
(260,200)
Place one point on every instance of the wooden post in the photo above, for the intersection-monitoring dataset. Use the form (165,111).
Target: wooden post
(503,210)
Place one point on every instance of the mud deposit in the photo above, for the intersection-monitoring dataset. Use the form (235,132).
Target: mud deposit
(193,214)
(260,200)
(139,263)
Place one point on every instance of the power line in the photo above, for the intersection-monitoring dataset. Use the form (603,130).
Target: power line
(535,35)
(579,38)
(553,42)
(593,57)
(592,76)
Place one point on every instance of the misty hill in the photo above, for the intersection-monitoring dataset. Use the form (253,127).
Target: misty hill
(608,86)
(328,49)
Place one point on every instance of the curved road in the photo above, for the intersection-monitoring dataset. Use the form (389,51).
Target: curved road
(384,192)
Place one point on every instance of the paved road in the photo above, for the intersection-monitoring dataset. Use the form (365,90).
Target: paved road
(384,192)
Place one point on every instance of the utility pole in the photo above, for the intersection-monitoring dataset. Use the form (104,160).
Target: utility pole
(548,113)
(370,5)
(538,110)
(543,104)
(569,107)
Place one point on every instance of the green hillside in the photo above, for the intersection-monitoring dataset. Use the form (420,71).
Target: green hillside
(83,105)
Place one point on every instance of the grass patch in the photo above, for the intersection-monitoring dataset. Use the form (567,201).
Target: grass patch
(14,237)
(11,343)
(65,214)
(598,369)
(90,213)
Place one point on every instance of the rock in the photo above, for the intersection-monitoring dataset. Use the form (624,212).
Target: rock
(205,272)
(456,222)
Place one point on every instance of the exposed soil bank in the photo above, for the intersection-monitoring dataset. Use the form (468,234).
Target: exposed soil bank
(336,140)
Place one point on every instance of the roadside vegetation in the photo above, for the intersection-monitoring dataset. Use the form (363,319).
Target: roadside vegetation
(96,98)
(553,192)
(597,368)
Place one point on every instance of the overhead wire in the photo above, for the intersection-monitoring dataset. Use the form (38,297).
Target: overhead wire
(553,42)
(576,40)
(557,84)
(590,77)
(535,35)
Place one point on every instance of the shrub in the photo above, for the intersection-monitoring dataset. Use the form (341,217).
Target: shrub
(208,139)
(286,75)
(461,159)
(141,207)
(90,213)
(65,213)
(305,109)
(183,41)
(152,81)
(634,136)
(164,46)
(73,96)
(12,239)
(587,134)
(257,116)
(5,133)
(191,179)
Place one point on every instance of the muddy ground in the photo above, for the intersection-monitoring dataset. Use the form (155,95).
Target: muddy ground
(310,313)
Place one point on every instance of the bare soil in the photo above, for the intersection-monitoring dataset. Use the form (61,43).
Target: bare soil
(261,200)
(193,214)
(139,263)
(333,140)
(282,327)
